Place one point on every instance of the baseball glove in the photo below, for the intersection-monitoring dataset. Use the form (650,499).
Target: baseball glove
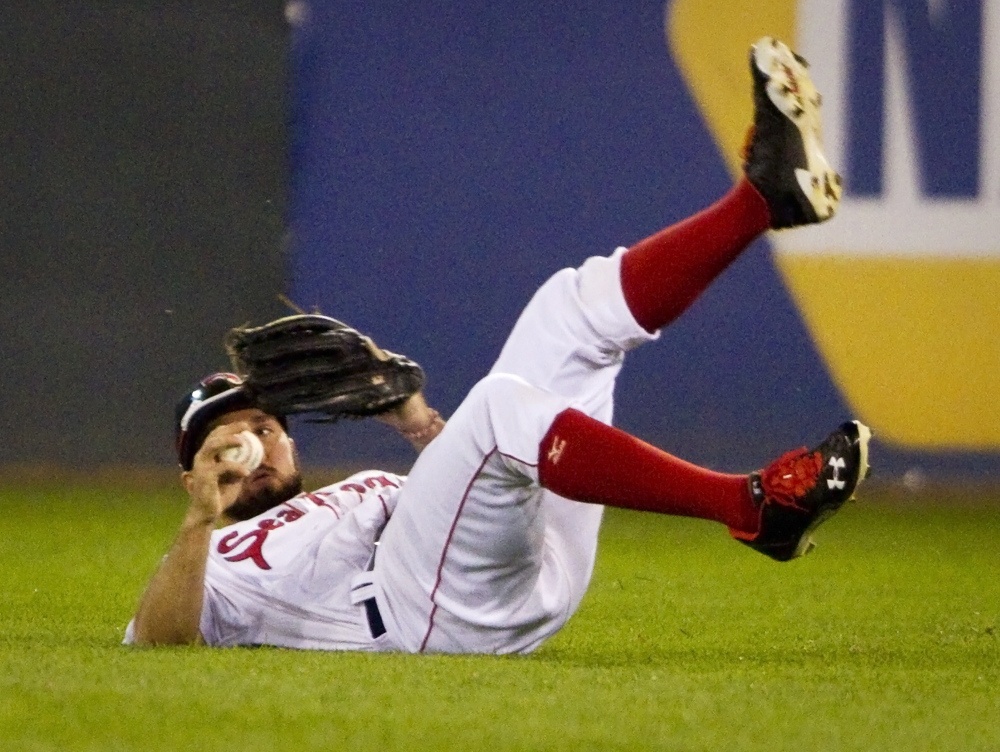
(311,363)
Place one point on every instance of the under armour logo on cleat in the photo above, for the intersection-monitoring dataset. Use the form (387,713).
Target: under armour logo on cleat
(557,449)
(838,464)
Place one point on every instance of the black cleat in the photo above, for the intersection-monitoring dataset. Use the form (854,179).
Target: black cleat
(784,157)
(803,488)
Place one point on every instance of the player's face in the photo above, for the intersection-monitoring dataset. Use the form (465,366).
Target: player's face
(278,478)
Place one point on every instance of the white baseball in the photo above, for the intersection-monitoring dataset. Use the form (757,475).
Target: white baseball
(250,451)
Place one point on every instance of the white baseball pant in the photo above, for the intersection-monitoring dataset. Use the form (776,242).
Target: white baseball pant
(477,557)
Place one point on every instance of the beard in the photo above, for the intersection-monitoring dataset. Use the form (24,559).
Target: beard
(266,497)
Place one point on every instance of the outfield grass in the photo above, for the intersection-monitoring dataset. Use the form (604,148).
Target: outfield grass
(887,637)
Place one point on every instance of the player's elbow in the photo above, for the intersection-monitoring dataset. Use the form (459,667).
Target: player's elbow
(162,634)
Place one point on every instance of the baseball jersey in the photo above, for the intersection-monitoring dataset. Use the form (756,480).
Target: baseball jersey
(286,577)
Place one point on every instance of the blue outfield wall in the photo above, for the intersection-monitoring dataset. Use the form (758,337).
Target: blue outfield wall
(447,157)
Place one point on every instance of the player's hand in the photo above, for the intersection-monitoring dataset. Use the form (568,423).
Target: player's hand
(213,483)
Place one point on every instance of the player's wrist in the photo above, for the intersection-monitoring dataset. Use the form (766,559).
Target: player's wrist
(422,431)
(199,516)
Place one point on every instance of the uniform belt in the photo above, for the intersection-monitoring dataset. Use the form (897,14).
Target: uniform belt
(375,623)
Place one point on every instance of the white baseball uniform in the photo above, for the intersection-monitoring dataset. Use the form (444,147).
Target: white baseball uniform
(473,555)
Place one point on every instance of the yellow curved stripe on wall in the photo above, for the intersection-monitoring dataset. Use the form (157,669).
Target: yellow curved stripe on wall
(912,342)
(710,40)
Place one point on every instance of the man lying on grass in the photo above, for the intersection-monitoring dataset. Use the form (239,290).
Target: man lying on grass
(489,544)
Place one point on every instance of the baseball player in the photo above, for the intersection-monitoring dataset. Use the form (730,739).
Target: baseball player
(488,545)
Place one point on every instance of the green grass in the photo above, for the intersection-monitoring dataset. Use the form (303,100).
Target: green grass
(887,637)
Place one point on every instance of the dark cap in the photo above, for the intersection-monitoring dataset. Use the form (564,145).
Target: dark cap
(213,397)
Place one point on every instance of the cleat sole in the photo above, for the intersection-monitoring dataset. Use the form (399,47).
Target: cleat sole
(791,91)
(864,469)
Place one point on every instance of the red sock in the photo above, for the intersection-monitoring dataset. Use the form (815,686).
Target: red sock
(664,274)
(585,460)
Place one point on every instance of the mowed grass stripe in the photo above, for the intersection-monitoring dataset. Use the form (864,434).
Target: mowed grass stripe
(885,637)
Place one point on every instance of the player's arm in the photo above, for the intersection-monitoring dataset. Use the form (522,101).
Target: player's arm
(169,611)
(415,420)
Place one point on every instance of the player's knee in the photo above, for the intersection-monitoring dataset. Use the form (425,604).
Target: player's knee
(519,413)
(502,390)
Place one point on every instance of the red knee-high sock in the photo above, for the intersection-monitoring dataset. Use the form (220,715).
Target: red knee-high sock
(664,274)
(585,460)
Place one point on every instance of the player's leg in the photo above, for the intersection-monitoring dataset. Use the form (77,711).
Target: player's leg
(788,182)
(571,340)
(472,560)
(773,511)
(465,563)
(572,337)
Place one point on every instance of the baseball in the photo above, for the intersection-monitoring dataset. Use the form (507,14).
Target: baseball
(250,451)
